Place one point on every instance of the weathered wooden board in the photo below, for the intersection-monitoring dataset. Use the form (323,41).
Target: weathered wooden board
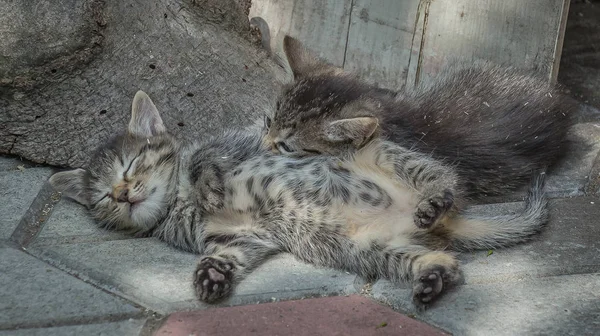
(380,38)
(524,34)
(321,25)
(402,42)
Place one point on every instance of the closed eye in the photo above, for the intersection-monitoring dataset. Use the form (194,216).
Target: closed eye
(267,122)
(284,148)
(128,168)
(101,199)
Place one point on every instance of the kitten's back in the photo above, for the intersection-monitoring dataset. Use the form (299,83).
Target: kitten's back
(496,124)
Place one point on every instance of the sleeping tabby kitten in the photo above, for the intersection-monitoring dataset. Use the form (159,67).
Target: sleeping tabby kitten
(493,125)
(235,202)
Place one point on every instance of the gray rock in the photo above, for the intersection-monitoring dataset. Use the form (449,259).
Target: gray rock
(34,294)
(25,43)
(195,59)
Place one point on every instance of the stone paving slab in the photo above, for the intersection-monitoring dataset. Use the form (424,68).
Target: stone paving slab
(150,273)
(71,223)
(10,163)
(18,188)
(159,277)
(129,327)
(34,294)
(560,305)
(570,244)
(351,315)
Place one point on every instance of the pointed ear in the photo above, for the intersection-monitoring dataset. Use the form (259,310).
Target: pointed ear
(302,61)
(71,184)
(145,119)
(358,130)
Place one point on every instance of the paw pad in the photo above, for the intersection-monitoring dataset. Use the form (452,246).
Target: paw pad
(213,279)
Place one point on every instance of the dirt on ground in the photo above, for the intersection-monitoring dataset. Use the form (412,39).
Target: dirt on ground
(580,63)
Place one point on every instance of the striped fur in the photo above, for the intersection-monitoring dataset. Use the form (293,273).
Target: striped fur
(236,203)
(492,125)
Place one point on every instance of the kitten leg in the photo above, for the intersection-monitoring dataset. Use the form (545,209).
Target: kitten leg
(436,182)
(430,272)
(433,272)
(227,260)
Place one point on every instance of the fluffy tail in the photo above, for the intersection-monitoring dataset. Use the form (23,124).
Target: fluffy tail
(469,231)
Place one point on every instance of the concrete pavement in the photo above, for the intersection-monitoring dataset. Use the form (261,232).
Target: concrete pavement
(60,275)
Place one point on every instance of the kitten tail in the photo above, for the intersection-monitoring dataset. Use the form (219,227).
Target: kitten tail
(469,231)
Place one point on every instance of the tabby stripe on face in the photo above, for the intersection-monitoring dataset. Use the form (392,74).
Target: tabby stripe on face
(142,169)
(154,147)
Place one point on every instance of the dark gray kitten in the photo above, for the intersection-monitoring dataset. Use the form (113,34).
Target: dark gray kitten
(235,202)
(493,125)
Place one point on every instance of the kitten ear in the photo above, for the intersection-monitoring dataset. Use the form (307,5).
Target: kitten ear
(145,119)
(358,130)
(302,61)
(71,184)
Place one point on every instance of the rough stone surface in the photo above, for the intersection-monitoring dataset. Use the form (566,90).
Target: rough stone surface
(34,294)
(18,188)
(129,327)
(160,277)
(27,43)
(201,75)
(352,315)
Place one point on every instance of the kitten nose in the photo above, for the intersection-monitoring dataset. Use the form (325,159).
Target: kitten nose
(120,193)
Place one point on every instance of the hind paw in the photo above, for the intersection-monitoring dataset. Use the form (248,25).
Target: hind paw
(430,210)
(213,279)
(431,282)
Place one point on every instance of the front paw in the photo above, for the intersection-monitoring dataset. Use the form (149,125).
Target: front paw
(431,210)
(213,279)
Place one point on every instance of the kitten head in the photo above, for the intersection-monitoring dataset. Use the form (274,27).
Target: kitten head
(324,110)
(130,179)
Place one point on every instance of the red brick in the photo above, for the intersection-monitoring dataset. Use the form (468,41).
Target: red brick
(331,316)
